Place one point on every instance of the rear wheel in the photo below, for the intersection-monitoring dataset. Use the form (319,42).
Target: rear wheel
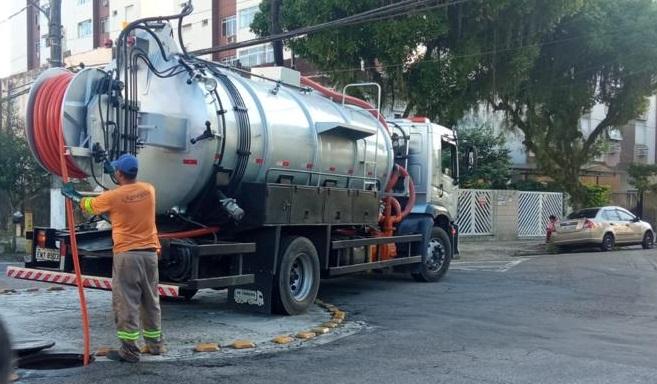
(297,280)
(439,255)
(607,242)
(648,240)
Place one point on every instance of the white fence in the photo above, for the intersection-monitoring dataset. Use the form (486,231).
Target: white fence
(534,210)
(506,214)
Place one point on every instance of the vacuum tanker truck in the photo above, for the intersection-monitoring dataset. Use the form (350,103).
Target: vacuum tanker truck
(265,183)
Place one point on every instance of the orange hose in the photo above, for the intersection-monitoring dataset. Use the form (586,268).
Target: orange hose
(47,132)
(190,233)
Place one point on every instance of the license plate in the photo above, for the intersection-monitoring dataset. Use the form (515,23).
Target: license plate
(46,254)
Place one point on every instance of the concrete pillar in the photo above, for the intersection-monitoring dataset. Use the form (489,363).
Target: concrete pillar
(505,215)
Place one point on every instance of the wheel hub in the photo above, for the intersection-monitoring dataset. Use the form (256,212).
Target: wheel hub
(435,255)
(300,279)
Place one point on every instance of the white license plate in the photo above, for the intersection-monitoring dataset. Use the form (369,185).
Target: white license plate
(46,254)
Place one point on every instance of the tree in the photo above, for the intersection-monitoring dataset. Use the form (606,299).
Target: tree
(21,177)
(543,63)
(642,177)
(493,160)
(584,61)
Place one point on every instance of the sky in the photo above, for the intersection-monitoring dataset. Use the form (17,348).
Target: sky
(5,45)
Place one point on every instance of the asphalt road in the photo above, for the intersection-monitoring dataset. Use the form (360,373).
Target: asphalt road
(573,318)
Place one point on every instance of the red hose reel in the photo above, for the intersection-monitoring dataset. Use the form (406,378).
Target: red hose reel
(47,125)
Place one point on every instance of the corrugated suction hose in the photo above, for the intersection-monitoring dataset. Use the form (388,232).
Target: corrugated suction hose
(50,149)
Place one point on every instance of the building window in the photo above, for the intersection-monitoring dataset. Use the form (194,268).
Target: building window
(228,27)
(83,2)
(104,25)
(246,17)
(84,28)
(204,22)
(255,56)
(187,27)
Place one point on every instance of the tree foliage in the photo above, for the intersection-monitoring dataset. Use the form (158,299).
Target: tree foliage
(543,63)
(642,177)
(21,177)
(493,160)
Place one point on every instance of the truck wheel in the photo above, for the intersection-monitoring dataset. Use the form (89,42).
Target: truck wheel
(439,255)
(297,281)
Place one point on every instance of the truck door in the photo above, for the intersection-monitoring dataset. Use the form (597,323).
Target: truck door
(444,158)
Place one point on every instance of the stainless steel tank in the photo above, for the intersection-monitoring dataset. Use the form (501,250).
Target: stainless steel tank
(260,131)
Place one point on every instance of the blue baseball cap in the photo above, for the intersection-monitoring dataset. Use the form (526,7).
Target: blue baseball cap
(127,164)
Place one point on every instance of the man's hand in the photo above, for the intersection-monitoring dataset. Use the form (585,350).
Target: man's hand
(69,191)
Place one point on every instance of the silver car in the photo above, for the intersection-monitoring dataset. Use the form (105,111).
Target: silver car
(606,227)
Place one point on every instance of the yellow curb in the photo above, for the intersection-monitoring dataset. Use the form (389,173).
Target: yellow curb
(321,330)
(330,324)
(305,335)
(337,321)
(243,344)
(283,339)
(55,288)
(331,308)
(206,347)
(102,351)
(339,315)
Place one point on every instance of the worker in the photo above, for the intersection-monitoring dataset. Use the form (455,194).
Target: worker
(131,210)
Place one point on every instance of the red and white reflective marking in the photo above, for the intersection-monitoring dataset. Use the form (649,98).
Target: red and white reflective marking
(95,282)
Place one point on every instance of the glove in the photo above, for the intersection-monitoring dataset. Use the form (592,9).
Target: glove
(108,168)
(69,191)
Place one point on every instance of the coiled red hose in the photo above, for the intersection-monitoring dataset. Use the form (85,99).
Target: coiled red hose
(50,148)
(47,126)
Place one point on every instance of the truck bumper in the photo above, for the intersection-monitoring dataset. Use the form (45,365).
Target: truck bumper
(95,282)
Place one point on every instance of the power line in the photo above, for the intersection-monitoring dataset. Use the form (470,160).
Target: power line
(389,11)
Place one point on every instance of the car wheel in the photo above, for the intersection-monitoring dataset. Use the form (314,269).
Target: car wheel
(648,240)
(607,242)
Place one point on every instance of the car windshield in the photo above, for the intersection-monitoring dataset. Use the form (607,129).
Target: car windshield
(589,213)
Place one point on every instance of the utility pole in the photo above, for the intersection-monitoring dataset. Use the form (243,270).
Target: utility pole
(275,30)
(55,33)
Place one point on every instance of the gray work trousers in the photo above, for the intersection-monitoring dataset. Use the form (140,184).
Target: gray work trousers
(135,295)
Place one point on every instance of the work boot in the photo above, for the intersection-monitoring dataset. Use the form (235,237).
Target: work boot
(155,347)
(128,352)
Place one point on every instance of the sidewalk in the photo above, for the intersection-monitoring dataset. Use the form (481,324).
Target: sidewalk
(478,249)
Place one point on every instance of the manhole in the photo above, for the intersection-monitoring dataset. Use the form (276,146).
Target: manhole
(52,361)
(28,347)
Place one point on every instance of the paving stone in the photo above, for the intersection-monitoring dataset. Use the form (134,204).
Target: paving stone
(242,344)
(305,335)
(5,291)
(102,351)
(283,339)
(339,315)
(321,330)
(206,347)
(33,289)
(330,324)
(55,288)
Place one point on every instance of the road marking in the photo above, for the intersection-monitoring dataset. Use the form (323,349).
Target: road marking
(487,265)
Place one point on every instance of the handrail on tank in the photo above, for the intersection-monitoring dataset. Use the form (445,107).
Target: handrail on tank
(318,173)
(378,115)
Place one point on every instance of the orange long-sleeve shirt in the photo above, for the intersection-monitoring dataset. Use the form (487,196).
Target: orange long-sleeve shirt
(131,208)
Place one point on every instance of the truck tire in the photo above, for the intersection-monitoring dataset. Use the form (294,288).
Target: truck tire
(297,279)
(439,255)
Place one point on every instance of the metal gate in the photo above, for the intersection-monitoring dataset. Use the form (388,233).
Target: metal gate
(475,212)
(534,210)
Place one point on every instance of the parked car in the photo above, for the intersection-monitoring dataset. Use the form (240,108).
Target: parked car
(606,227)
